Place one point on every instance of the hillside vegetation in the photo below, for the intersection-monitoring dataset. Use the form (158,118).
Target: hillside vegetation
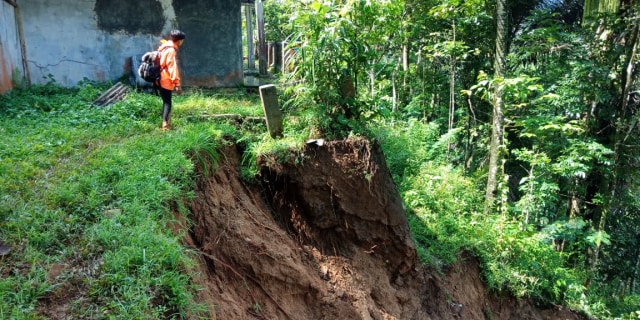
(95,211)
(89,195)
(520,117)
(516,144)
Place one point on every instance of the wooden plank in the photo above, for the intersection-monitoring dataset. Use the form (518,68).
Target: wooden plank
(118,94)
(115,93)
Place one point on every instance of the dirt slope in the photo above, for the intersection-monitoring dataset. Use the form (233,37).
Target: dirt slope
(325,237)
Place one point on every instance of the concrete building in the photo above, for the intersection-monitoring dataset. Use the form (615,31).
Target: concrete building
(11,61)
(69,41)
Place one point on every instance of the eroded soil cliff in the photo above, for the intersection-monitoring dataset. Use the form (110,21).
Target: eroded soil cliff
(324,236)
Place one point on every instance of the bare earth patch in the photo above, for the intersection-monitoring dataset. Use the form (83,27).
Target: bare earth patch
(325,237)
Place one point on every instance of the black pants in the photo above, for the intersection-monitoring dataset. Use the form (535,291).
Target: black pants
(166,103)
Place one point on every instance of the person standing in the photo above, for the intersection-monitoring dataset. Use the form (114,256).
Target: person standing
(169,74)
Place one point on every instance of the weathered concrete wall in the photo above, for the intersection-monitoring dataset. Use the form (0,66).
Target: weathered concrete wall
(213,49)
(10,53)
(70,40)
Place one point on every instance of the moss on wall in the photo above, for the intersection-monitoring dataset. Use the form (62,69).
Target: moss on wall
(140,16)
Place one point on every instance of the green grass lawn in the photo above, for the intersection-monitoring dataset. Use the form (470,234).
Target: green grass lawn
(85,194)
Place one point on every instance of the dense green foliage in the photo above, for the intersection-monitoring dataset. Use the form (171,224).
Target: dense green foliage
(90,189)
(418,75)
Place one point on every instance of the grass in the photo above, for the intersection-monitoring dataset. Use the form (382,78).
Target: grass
(87,190)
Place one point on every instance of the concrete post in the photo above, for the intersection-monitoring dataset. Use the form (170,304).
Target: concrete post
(251,61)
(277,56)
(262,45)
(270,54)
(272,112)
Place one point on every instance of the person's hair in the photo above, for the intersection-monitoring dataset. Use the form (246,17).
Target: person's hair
(177,35)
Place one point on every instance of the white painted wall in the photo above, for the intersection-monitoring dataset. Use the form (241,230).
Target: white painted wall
(63,40)
(68,41)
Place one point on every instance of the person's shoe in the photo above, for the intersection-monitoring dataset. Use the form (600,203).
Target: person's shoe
(165,126)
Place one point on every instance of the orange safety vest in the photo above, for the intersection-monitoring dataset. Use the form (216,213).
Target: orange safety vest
(169,73)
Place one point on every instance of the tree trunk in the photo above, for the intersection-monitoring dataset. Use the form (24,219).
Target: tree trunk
(624,124)
(452,84)
(592,7)
(495,149)
(636,274)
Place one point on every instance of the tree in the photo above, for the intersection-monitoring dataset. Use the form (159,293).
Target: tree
(593,7)
(616,31)
(497,142)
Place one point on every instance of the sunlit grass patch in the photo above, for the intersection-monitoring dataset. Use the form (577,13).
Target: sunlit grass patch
(86,187)
(224,101)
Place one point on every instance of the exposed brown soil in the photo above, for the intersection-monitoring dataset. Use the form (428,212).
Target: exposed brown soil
(325,237)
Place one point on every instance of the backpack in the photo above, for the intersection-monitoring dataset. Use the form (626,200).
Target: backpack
(149,69)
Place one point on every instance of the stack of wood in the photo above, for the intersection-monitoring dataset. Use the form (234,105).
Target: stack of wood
(115,93)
